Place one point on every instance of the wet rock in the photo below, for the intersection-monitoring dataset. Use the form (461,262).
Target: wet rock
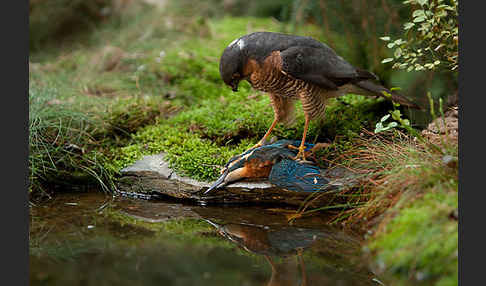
(152,175)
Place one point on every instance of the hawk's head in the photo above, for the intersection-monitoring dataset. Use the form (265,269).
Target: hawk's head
(231,63)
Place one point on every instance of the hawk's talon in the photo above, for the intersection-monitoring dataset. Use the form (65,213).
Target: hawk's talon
(301,154)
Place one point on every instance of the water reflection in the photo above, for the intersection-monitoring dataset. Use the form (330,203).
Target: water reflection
(73,242)
(287,242)
(283,247)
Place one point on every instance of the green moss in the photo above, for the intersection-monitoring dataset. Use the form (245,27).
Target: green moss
(351,113)
(187,153)
(421,241)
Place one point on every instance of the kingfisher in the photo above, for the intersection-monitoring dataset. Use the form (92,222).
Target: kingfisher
(275,161)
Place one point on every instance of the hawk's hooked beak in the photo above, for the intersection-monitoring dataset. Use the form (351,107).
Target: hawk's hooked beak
(234,85)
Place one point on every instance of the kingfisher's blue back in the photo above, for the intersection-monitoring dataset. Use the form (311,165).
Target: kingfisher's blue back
(296,176)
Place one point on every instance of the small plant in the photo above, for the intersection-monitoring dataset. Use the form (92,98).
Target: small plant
(402,122)
(431,37)
(405,123)
(380,127)
(396,115)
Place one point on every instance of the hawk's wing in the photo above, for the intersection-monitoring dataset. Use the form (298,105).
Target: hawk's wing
(320,66)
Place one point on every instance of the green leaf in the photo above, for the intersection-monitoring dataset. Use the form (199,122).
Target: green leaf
(387,60)
(441,14)
(397,53)
(419,19)
(396,114)
(392,124)
(408,25)
(386,94)
(386,38)
(379,127)
(384,118)
(399,42)
(418,13)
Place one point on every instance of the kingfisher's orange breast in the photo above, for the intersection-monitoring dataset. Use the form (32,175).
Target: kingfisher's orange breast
(254,168)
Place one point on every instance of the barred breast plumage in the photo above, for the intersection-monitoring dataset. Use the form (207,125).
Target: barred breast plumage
(270,78)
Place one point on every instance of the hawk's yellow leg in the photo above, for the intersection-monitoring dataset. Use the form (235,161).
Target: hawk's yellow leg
(301,148)
(262,141)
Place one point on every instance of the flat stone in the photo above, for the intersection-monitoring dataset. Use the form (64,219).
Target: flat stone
(152,175)
(149,165)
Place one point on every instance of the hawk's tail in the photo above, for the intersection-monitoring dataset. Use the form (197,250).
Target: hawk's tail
(377,89)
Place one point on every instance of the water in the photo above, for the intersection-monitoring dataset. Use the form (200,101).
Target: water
(93,239)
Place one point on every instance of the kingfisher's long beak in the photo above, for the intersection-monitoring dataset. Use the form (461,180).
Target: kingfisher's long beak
(219,182)
(229,175)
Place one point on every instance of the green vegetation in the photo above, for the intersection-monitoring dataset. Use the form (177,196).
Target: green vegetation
(60,139)
(407,198)
(432,37)
(60,18)
(421,242)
